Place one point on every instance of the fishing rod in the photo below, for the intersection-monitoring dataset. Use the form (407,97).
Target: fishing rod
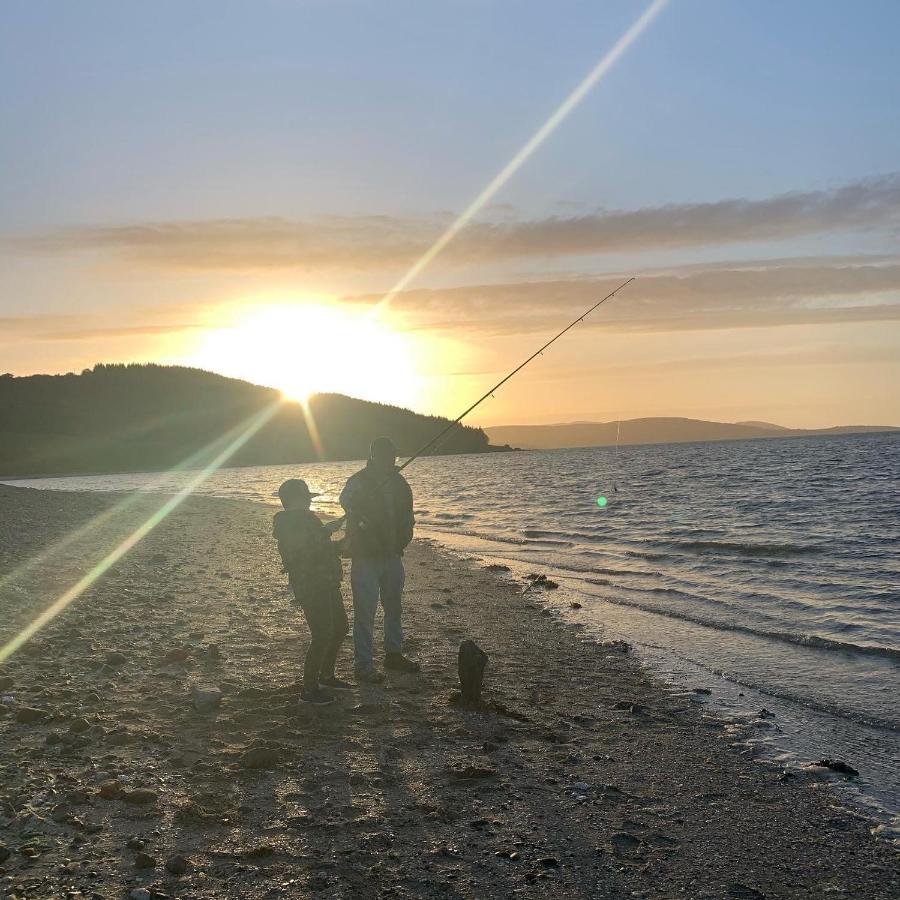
(450,425)
(515,371)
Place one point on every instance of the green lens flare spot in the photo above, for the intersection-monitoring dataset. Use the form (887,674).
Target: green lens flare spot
(602,501)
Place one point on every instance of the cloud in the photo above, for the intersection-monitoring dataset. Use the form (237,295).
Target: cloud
(690,298)
(78,328)
(386,242)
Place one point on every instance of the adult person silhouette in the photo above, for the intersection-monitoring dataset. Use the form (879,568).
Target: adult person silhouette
(379,506)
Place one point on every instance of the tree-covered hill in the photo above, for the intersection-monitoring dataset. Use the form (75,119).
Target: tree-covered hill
(149,417)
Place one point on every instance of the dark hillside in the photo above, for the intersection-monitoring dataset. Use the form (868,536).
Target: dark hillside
(148,417)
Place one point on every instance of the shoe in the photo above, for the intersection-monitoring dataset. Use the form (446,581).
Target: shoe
(316,696)
(399,663)
(336,684)
(368,676)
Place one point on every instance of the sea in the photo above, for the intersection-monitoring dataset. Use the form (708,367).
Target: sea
(764,572)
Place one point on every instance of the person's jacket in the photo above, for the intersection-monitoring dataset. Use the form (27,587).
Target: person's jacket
(379,511)
(311,560)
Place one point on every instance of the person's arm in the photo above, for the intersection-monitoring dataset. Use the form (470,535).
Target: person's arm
(407,520)
(349,493)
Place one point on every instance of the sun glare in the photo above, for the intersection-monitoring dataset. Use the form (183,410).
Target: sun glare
(307,348)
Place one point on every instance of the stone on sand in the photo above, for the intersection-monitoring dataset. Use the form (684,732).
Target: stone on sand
(205,697)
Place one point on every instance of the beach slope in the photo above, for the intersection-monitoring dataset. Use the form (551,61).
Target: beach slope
(151,740)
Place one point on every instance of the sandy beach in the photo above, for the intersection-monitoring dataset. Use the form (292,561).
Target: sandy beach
(584,778)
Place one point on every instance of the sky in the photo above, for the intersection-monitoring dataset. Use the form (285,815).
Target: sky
(238,186)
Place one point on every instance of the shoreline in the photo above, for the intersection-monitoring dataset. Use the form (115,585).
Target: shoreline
(605,783)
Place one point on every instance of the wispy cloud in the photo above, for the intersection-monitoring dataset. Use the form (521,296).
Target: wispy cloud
(79,328)
(384,242)
(692,298)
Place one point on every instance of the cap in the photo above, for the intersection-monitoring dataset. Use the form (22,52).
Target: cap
(295,487)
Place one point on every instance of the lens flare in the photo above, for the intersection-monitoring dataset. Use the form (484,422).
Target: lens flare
(534,142)
(602,501)
(236,439)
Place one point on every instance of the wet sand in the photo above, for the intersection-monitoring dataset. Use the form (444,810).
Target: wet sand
(586,779)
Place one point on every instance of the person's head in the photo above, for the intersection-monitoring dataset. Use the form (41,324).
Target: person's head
(295,494)
(383,454)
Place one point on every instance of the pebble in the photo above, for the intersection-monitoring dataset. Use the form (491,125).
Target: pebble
(139,796)
(205,697)
(177,864)
(28,715)
(144,861)
(260,757)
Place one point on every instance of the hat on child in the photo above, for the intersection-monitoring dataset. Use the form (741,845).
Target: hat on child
(295,487)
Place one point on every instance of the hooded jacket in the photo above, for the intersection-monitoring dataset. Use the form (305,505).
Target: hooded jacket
(379,509)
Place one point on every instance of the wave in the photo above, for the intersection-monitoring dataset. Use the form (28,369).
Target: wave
(745,549)
(803,640)
(833,709)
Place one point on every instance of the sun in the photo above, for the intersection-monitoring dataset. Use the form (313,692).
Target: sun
(304,348)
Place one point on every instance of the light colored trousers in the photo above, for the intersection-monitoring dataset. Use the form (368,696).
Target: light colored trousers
(372,580)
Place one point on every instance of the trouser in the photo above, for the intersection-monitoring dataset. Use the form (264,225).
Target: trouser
(373,580)
(328,626)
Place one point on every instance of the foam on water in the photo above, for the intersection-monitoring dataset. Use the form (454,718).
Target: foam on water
(768,571)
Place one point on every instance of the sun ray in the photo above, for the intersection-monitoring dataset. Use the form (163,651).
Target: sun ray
(235,439)
(531,145)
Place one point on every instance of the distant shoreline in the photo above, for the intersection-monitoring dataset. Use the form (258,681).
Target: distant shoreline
(582,435)
(5,477)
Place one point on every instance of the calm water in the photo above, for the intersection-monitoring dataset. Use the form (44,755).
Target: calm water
(766,571)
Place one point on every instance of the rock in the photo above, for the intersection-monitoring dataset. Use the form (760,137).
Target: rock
(116,658)
(581,787)
(4,853)
(742,891)
(6,682)
(110,790)
(766,714)
(623,842)
(497,567)
(205,697)
(144,861)
(473,771)
(574,605)
(837,765)
(139,796)
(213,654)
(549,862)
(177,864)
(702,690)
(140,894)
(472,662)
(29,715)
(616,646)
(79,725)
(177,655)
(260,757)
(135,843)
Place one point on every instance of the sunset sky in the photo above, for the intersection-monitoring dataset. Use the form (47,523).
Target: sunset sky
(236,185)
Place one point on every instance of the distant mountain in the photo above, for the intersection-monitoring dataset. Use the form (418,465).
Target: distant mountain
(768,425)
(116,418)
(651,431)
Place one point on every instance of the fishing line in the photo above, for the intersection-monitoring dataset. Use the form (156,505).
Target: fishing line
(489,393)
